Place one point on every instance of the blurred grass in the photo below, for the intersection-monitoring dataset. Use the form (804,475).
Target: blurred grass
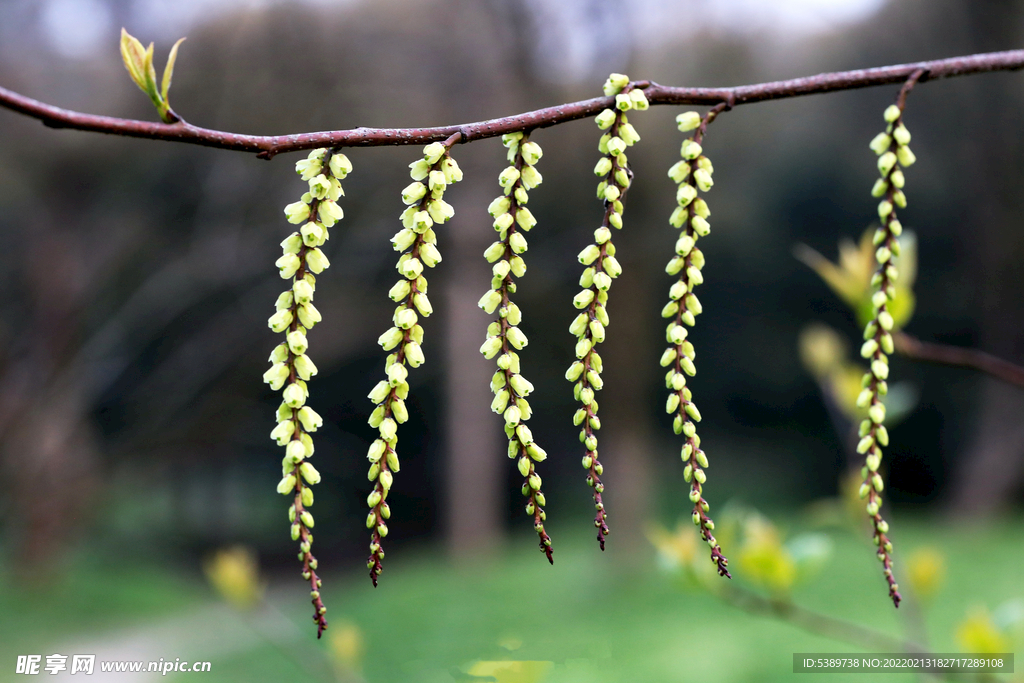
(90,596)
(598,618)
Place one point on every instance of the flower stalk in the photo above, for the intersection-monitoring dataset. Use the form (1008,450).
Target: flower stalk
(302,259)
(601,267)
(893,150)
(504,338)
(417,241)
(693,174)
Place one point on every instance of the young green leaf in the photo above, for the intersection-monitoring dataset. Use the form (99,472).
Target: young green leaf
(134,56)
(150,88)
(165,86)
(139,62)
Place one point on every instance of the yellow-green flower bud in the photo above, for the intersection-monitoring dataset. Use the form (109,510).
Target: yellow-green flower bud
(605,120)
(575,371)
(430,255)
(329,213)
(310,419)
(905,156)
(294,396)
(639,99)
(700,226)
(280,321)
(531,153)
(583,299)
(286,485)
(490,347)
(531,178)
(307,168)
(304,367)
(494,252)
(414,192)
(690,149)
(885,320)
(524,466)
(686,194)
(880,143)
(630,137)
(433,152)
(316,261)
(516,338)
(309,473)
(688,121)
(517,242)
(288,264)
(616,146)
(886,163)
(703,179)
(340,165)
(297,212)
(702,458)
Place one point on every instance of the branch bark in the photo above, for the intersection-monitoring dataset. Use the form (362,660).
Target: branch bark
(267,146)
(815,622)
(944,354)
(819,624)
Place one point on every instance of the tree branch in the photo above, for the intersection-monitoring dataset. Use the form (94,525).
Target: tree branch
(266,146)
(814,622)
(944,354)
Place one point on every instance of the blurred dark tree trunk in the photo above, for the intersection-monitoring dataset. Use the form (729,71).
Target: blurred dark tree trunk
(475,463)
(626,440)
(52,463)
(47,443)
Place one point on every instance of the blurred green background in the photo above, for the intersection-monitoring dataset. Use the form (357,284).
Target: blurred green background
(139,275)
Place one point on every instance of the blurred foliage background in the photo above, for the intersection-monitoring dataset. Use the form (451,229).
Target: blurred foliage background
(138,276)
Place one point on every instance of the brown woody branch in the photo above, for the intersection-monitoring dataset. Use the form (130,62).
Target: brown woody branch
(266,146)
(944,354)
(819,624)
(814,622)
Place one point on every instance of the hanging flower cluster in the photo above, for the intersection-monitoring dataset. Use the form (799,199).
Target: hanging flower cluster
(418,244)
(893,155)
(693,176)
(292,368)
(601,268)
(303,259)
(504,338)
